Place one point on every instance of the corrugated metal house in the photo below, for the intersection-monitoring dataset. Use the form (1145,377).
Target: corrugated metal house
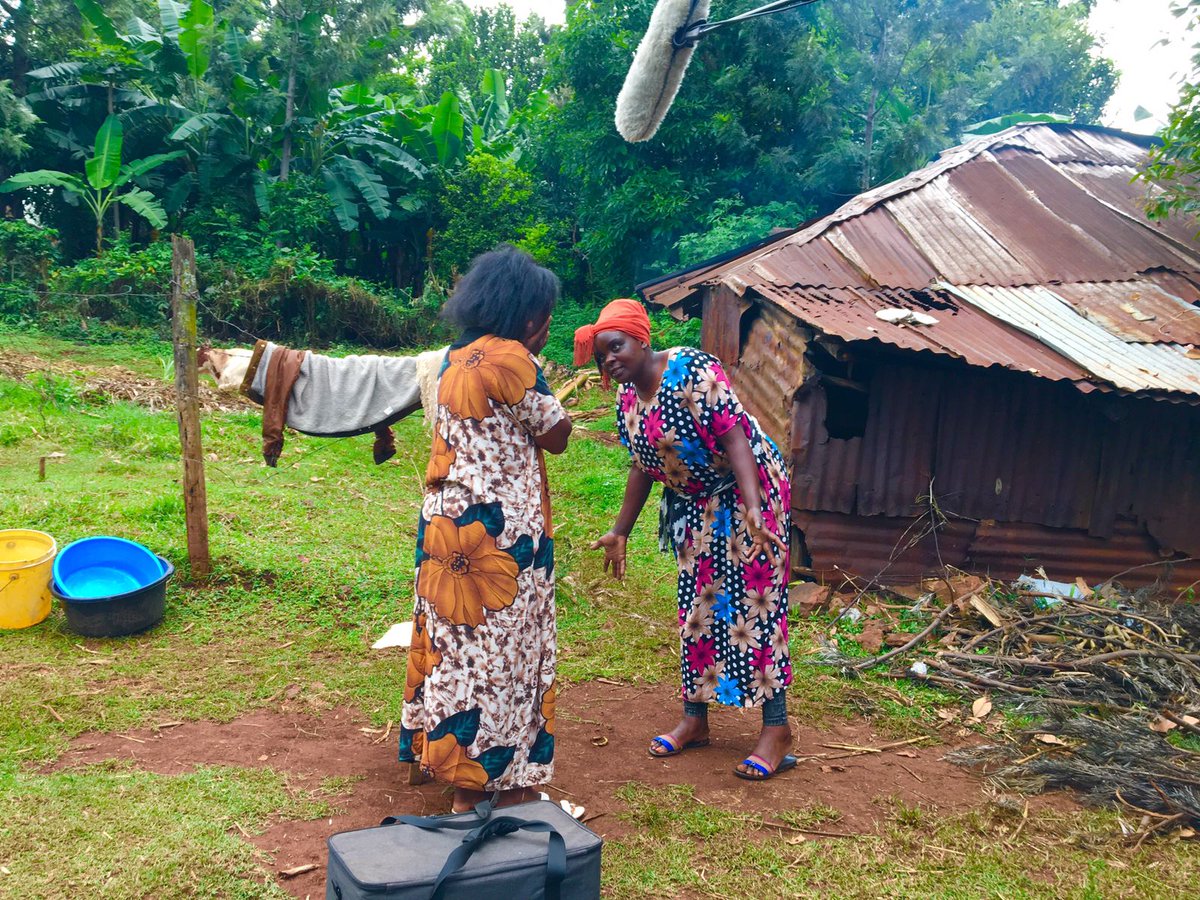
(1050,415)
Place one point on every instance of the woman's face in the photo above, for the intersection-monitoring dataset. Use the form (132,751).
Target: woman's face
(536,335)
(620,355)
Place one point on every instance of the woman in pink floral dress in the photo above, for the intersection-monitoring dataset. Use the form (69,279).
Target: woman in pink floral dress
(724,515)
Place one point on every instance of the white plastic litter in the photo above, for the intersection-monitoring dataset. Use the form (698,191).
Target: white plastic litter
(898,316)
(1049,588)
(919,669)
(399,635)
(575,812)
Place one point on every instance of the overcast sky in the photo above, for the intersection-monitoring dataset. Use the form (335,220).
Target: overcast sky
(1128,29)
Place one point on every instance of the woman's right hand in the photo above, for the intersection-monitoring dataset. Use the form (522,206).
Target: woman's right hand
(613,545)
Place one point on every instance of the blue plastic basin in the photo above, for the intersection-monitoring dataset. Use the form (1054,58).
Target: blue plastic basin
(97,567)
(119,615)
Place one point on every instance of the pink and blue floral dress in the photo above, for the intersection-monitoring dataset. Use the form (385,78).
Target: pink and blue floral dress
(732,611)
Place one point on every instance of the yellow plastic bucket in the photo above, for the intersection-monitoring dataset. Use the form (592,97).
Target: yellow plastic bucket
(26,558)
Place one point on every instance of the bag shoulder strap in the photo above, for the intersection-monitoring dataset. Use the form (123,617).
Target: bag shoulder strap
(478,834)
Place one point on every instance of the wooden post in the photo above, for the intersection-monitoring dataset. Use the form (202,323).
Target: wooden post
(184,293)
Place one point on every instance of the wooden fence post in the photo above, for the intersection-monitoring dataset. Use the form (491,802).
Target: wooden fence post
(184,293)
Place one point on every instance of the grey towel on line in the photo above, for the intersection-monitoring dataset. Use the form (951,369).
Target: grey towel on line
(352,395)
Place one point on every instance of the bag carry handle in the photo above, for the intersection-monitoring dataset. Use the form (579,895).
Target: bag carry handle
(477,835)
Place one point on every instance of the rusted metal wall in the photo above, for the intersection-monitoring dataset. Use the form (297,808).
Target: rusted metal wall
(900,550)
(1049,464)
(772,367)
(721,325)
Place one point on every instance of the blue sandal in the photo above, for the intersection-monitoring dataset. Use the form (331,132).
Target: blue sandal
(763,767)
(672,749)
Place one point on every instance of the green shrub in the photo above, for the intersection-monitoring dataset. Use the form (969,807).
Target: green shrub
(299,300)
(126,287)
(225,233)
(26,251)
(18,303)
(299,212)
(249,288)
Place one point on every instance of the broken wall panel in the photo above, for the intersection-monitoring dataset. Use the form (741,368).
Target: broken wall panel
(771,369)
(896,465)
(720,328)
(824,469)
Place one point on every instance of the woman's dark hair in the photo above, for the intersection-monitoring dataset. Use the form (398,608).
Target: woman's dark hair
(501,293)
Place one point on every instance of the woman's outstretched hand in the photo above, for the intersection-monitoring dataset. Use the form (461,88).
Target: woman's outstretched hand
(613,545)
(762,539)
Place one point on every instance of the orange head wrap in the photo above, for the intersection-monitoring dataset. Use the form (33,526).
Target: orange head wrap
(628,316)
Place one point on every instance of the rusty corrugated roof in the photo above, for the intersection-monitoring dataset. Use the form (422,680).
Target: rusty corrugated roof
(1131,366)
(1033,241)
(962,330)
(1135,311)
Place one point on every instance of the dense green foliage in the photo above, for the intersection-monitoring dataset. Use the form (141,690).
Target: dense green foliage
(339,162)
(1174,167)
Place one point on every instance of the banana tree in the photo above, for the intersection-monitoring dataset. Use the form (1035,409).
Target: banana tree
(359,160)
(106,180)
(443,134)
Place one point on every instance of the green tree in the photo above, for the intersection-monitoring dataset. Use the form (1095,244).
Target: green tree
(805,108)
(730,224)
(1039,57)
(1173,168)
(16,121)
(106,180)
(489,201)
(464,46)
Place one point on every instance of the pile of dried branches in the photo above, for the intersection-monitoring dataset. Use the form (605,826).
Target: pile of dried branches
(1113,670)
(1110,656)
(115,384)
(1113,761)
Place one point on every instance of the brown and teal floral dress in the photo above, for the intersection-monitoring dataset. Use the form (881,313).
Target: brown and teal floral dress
(732,611)
(479,698)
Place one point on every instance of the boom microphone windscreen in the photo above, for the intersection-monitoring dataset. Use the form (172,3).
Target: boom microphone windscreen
(662,58)
(657,69)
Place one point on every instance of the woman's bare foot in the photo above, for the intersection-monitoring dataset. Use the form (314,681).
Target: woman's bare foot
(692,731)
(466,799)
(774,743)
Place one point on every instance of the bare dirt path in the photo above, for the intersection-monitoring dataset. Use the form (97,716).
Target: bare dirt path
(602,734)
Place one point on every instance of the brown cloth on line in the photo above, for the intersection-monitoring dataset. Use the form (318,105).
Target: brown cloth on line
(384,447)
(282,372)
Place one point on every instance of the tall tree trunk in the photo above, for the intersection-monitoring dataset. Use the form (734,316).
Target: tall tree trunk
(21,18)
(289,113)
(869,139)
(116,207)
(395,255)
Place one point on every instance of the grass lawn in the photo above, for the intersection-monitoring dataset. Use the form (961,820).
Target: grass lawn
(312,562)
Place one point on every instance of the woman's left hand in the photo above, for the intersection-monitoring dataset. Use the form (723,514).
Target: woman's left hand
(762,539)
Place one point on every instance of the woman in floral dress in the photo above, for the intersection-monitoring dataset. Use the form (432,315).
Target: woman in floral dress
(725,516)
(479,698)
